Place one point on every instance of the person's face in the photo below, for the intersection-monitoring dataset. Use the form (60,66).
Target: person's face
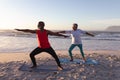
(74,27)
(41,26)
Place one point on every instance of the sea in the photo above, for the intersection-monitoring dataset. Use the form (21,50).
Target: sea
(12,41)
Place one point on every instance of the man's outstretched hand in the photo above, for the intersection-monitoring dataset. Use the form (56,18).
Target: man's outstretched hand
(17,29)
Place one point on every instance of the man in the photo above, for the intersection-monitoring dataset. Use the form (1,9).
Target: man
(76,39)
(44,45)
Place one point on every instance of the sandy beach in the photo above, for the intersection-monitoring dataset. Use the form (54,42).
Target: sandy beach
(107,69)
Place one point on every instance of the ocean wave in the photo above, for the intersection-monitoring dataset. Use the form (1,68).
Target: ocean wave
(111,36)
(107,39)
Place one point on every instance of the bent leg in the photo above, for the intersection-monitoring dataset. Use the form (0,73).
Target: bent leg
(32,55)
(81,50)
(70,51)
(53,54)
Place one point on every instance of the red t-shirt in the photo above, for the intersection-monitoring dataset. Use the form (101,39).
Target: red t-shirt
(43,41)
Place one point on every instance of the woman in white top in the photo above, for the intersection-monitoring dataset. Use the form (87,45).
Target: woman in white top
(76,39)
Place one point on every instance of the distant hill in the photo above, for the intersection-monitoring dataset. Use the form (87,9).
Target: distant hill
(113,28)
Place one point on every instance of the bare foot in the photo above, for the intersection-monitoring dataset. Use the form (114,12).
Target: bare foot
(60,68)
(84,59)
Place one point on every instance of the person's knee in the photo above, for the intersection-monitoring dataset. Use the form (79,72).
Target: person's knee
(31,55)
(69,51)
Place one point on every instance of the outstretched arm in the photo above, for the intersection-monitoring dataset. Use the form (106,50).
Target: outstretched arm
(60,32)
(26,30)
(90,34)
(56,33)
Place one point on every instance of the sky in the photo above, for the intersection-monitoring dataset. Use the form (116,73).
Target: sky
(59,14)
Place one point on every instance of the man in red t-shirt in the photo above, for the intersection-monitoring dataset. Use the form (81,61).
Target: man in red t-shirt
(43,43)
